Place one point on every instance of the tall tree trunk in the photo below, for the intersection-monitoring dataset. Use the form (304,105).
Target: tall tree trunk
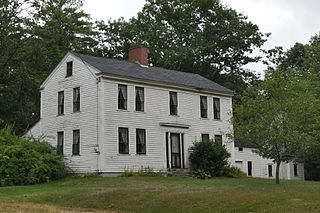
(277,172)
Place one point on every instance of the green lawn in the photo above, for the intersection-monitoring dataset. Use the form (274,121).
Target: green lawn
(162,194)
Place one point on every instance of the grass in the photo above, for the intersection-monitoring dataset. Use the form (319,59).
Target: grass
(162,194)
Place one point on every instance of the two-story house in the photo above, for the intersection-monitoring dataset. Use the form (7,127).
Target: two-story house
(106,115)
(109,115)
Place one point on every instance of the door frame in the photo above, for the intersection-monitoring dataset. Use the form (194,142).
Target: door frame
(169,146)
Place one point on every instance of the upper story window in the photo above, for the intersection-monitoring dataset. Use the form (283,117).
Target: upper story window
(76,99)
(216,108)
(76,142)
(69,68)
(61,103)
(218,138)
(140,99)
(123,140)
(122,96)
(203,107)
(173,103)
(205,137)
(141,141)
(60,143)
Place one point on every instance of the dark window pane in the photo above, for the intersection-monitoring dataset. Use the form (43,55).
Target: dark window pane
(123,140)
(205,137)
(76,99)
(141,141)
(122,97)
(140,99)
(76,142)
(295,169)
(60,103)
(203,107)
(69,68)
(173,103)
(249,168)
(216,108)
(218,138)
(60,143)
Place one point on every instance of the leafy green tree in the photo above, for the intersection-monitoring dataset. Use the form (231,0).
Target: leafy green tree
(202,37)
(280,117)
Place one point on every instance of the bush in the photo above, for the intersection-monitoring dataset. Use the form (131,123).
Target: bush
(209,156)
(233,172)
(27,161)
(200,174)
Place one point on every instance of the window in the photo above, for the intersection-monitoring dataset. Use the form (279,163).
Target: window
(218,138)
(60,143)
(295,170)
(141,141)
(216,108)
(76,142)
(76,99)
(270,170)
(140,99)
(69,68)
(123,140)
(173,103)
(122,96)
(205,137)
(60,103)
(240,149)
(203,107)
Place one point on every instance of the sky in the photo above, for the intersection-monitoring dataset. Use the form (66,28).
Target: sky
(288,21)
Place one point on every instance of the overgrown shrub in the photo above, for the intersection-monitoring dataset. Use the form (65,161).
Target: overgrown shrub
(27,161)
(200,174)
(147,171)
(209,156)
(231,171)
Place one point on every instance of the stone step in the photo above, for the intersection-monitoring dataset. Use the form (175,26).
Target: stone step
(178,172)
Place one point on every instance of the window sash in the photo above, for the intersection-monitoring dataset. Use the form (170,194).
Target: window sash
(76,142)
(173,103)
(60,103)
(60,143)
(69,68)
(216,108)
(123,140)
(122,97)
(205,137)
(203,106)
(76,99)
(140,99)
(218,138)
(141,141)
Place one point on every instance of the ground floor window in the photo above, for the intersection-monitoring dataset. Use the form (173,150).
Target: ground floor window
(249,168)
(141,141)
(123,140)
(76,142)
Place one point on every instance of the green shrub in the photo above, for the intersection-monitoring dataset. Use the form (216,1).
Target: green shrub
(141,172)
(231,171)
(209,156)
(200,174)
(27,161)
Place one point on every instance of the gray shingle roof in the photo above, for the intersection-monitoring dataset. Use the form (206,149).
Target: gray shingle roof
(134,70)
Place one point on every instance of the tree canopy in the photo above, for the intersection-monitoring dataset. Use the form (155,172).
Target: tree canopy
(203,37)
(280,117)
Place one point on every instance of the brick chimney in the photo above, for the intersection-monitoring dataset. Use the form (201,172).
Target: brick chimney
(139,54)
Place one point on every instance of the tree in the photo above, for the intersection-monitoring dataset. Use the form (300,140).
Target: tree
(202,37)
(280,117)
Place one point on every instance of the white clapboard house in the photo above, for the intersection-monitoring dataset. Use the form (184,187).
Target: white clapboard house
(107,116)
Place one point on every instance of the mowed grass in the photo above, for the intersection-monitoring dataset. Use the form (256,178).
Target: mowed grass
(162,194)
